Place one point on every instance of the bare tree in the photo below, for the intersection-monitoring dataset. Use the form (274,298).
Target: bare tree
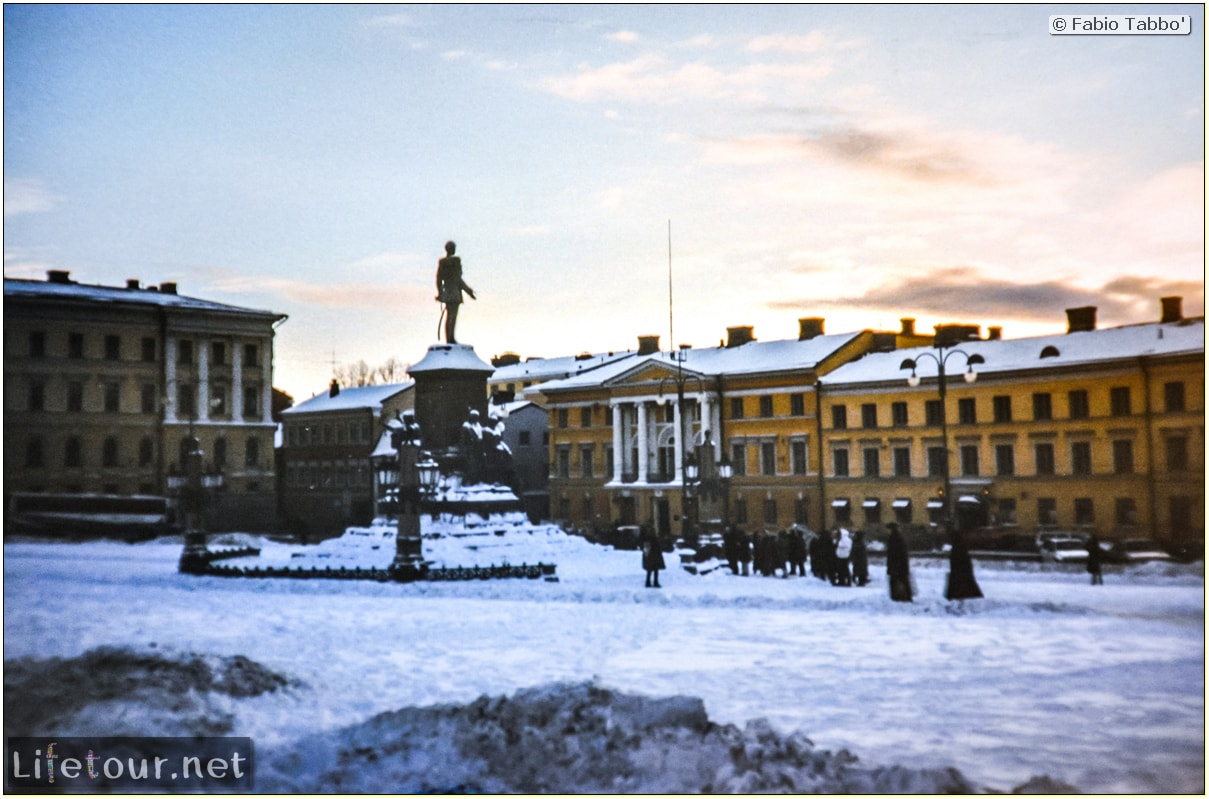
(356,375)
(392,370)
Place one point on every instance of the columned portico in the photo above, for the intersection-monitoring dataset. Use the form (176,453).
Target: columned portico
(640,434)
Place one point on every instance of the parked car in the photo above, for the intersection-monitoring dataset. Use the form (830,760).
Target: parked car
(1137,550)
(1064,550)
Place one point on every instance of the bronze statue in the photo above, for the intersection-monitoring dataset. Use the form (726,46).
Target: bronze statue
(449,289)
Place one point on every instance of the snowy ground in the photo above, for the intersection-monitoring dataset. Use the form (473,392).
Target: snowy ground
(1101,687)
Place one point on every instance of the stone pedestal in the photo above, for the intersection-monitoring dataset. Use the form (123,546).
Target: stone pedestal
(450,381)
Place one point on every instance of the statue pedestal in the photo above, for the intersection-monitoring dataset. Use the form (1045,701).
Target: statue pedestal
(451,380)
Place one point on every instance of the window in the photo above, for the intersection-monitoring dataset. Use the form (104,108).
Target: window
(563,417)
(1043,407)
(37,395)
(146,452)
(1173,397)
(839,417)
(1177,453)
(902,511)
(1080,457)
(252,408)
(251,457)
(868,414)
(1122,456)
(148,398)
(563,454)
(839,462)
(218,353)
(1126,512)
(585,416)
(770,512)
(902,461)
(184,351)
(1079,407)
(75,395)
(766,406)
(218,399)
(112,391)
(1085,512)
(797,404)
(1001,407)
(588,513)
(37,344)
(873,462)
(1119,401)
(936,461)
(740,510)
(801,511)
(75,345)
(933,413)
(109,453)
(768,457)
(797,457)
(1047,511)
(1043,458)
(966,411)
(186,400)
(148,349)
(736,407)
(873,511)
(969,460)
(220,452)
(1007,511)
(898,414)
(738,458)
(113,348)
(586,466)
(1005,459)
(251,355)
(73,456)
(33,453)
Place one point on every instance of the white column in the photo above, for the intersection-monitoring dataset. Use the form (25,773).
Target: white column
(715,426)
(643,436)
(170,409)
(618,444)
(678,442)
(266,383)
(236,381)
(203,380)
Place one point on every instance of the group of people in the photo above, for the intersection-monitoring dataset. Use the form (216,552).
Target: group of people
(840,557)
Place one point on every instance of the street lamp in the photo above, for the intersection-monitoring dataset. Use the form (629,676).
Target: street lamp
(972,360)
(725,471)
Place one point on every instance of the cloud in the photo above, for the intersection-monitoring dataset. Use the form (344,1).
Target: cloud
(624,37)
(28,196)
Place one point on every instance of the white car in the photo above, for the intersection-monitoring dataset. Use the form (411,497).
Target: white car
(1064,550)
(1138,550)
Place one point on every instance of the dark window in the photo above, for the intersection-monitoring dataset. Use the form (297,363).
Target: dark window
(797,404)
(902,461)
(1126,512)
(839,417)
(1005,459)
(797,456)
(736,407)
(873,462)
(1043,407)
(741,511)
(768,457)
(898,414)
(186,400)
(1085,512)
(868,414)
(148,349)
(770,512)
(873,512)
(75,395)
(73,456)
(1001,407)
(252,409)
(1047,510)
(113,348)
(1122,456)
(586,465)
(969,460)
(1079,407)
(146,452)
(524,438)
(1119,401)
(251,355)
(766,406)
(220,452)
(563,417)
(1177,453)
(33,453)
(112,396)
(109,453)
(185,351)
(75,345)
(1173,397)
(1080,457)
(218,353)
(610,466)
(738,458)
(933,413)
(585,416)
(37,396)
(966,411)
(801,511)
(218,400)
(839,460)
(37,344)
(563,454)
(252,453)
(1043,455)
(936,461)
(1007,511)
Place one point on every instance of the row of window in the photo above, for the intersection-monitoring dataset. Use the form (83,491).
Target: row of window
(75,455)
(109,398)
(328,474)
(112,350)
(339,432)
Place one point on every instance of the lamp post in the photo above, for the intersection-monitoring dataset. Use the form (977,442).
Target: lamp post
(688,464)
(972,360)
(408,564)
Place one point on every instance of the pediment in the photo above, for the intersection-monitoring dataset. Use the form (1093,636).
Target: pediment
(651,373)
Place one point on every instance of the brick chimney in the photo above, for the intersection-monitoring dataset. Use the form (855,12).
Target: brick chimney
(810,327)
(133,284)
(648,345)
(1172,309)
(738,336)
(1079,320)
(58,276)
(167,288)
(908,327)
(994,333)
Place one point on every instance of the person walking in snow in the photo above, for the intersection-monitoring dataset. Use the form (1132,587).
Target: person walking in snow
(860,559)
(843,552)
(652,557)
(1094,558)
(961,582)
(898,565)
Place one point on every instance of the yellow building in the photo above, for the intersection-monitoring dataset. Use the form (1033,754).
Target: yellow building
(1093,429)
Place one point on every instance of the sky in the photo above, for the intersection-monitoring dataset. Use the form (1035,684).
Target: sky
(600,166)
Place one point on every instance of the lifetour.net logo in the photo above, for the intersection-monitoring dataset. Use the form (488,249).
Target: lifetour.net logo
(82,765)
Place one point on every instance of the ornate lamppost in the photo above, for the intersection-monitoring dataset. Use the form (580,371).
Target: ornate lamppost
(192,488)
(408,564)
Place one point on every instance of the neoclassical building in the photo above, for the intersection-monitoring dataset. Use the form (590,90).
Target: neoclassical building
(103,387)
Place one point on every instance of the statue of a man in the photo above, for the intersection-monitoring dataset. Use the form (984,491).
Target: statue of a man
(449,289)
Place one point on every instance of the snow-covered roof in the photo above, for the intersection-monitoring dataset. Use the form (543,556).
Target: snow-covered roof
(149,296)
(555,368)
(450,357)
(754,357)
(1011,355)
(367,397)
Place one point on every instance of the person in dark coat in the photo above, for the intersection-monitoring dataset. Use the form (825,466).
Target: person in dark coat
(898,565)
(652,558)
(744,543)
(730,545)
(1094,557)
(784,559)
(961,582)
(797,551)
(860,559)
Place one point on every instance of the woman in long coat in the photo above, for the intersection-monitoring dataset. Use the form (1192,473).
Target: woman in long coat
(962,584)
(652,558)
(898,565)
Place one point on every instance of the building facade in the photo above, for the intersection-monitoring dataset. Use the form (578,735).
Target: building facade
(104,387)
(1095,429)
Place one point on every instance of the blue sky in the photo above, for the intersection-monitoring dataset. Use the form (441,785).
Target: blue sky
(858,163)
